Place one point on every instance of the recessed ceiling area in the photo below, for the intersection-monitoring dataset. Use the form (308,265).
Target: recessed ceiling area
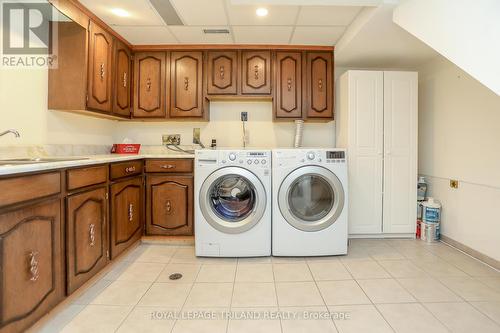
(295,22)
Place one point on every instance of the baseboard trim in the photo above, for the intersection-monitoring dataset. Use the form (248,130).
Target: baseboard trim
(476,254)
(410,236)
(168,240)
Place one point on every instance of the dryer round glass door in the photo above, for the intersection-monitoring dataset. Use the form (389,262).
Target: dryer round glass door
(232,200)
(311,198)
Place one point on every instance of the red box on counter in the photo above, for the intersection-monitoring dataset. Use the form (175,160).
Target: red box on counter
(125,148)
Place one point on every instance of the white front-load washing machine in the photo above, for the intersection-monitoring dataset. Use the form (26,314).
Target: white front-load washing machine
(232,203)
(309,202)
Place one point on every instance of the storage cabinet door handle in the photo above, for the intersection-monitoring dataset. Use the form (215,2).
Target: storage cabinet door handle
(168,166)
(124,79)
(221,72)
(130,169)
(92,234)
(289,84)
(148,84)
(102,71)
(186,83)
(168,206)
(130,212)
(256,71)
(33,265)
(320,85)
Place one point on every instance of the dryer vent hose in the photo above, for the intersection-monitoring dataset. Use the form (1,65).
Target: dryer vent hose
(299,130)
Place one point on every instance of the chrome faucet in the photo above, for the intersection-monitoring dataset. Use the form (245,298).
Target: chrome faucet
(13,131)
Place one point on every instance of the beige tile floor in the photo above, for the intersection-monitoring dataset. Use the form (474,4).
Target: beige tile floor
(380,286)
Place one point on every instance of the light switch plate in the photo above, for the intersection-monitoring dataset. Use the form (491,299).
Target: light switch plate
(454,183)
(196,135)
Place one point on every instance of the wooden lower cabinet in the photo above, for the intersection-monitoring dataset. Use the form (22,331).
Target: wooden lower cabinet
(86,236)
(169,208)
(31,264)
(127,214)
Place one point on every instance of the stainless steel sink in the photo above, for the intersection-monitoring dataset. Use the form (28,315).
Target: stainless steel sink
(21,161)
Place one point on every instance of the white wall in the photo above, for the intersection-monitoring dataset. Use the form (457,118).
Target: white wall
(459,138)
(465,32)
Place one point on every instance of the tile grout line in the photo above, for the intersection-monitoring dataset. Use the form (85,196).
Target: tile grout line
(232,294)
(276,293)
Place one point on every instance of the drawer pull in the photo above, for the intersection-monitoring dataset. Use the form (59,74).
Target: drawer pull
(289,84)
(148,84)
(92,234)
(102,71)
(130,169)
(186,83)
(222,72)
(124,79)
(130,212)
(320,85)
(256,72)
(168,166)
(169,207)
(33,265)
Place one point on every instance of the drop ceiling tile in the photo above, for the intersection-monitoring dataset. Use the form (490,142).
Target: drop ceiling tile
(146,35)
(278,15)
(201,12)
(317,35)
(327,15)
(141,12)
(262,34)
(195,35)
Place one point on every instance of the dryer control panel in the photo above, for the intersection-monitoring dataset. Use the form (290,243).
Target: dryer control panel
(288,157)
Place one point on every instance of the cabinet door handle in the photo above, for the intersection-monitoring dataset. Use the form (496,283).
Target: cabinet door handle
(130,212)
(168,166)
(320,85)
(130,169)
(256,71)
(168,206)
(33,265)
(221,73)
(289,84)
(186,83)
(148,84)
(124,79)
(102,71)
(92,234)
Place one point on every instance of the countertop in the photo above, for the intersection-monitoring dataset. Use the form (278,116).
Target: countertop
(86,160)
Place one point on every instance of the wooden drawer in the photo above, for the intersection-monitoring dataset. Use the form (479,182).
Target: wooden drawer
(171,165)
(19,189)
(125,169)
(78,178)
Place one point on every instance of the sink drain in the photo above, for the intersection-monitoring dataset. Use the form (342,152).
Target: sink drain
(175,276)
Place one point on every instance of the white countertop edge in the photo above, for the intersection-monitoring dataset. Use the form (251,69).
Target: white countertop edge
(90,160)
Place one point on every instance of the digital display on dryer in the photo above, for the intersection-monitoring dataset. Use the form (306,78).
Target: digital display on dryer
(335,155)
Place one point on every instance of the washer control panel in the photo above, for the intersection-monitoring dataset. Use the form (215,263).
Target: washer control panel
(248,158)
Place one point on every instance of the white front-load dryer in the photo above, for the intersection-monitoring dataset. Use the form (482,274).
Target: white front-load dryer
(309,202)
(232,203)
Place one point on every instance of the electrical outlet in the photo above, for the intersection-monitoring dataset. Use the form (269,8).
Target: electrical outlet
(454,183)
(196,135)
(171,139)
(244,116)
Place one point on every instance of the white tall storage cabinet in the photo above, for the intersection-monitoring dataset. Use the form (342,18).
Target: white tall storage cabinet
(377,123)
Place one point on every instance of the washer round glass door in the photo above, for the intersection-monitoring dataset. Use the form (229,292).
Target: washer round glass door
(232,200)
(311,198)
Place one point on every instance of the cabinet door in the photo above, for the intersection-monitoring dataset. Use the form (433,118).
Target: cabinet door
(288,100)
(319,86)
(31,264)
(86,236)
(99,69)
(222,72)
(126,214)
(149,98)
(400,151)
(256,72)
(122,73)
(169,205)
(186,88)
(365,130)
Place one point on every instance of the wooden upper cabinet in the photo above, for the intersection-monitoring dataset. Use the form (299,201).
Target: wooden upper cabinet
(99,69)
(127,220)
(86,240)
(149,95)
(122,73)
(319,86)
(31,267)
(288,92)
(169,205)
(256,72)
(186,84)
(222,72)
